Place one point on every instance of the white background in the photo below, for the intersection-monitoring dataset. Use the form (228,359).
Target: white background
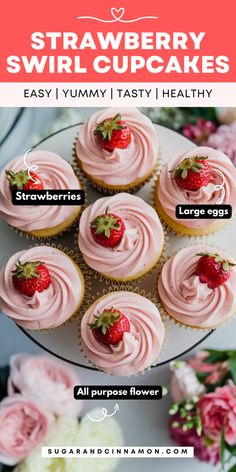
(223,95)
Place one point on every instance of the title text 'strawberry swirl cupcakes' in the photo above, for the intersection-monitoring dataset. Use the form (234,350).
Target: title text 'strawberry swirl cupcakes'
(197,286)
(200,176)
(117,148)
(120,237)
(122,333)
(53,172)
(41,288)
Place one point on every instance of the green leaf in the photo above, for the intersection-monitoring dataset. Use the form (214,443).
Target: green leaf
(183,412)
(233,469)
(174,409)
(206,112)
(232,368)
(216,356)
(217,258)
(201,376)
(188,425)
(198,425)
(189,406)
(222,449)
(231,449)
(196,170)
(198,164)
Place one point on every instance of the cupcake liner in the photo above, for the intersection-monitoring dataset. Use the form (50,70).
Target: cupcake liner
(87,284)
(175,231)
(128,288)
(165,314)
(109,191)
(108,281)
(30,237)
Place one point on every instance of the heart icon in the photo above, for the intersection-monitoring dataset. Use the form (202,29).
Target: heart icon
(117,14)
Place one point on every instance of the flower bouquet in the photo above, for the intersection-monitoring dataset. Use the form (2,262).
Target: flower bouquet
(213,127)
(204,412)
(37,409)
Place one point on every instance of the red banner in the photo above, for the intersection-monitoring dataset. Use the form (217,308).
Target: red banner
(122,42)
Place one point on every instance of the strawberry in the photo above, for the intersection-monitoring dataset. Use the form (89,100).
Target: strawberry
(23,181)
(212,270)
(113,133)
(107,229)
(30,277)
(192,173)
(110,326)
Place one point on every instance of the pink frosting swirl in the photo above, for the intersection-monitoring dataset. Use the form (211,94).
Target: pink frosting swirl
(139,348)
(56,173)
(223,174)
(140,246)
(122,166)
(53,306)
(187,299)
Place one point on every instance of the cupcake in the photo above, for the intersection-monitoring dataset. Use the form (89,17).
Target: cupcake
(120,237)
(41,288)
(117,149)
(122,333)
(200,176)
(53,173)
(197,286)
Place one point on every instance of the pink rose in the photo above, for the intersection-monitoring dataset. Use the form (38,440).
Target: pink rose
(23,426)
(218,411)
(232,387)
(46,381)
(198,363)
(216,371)
(190,438)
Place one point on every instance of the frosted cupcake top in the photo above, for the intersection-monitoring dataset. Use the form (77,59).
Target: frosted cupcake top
(138,348)
(51,307)
(221,188)
(186,298)
(56,173)
(140,245)
(122,166)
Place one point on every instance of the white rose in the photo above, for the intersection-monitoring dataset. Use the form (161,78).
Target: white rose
(104,433)
(69,432)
